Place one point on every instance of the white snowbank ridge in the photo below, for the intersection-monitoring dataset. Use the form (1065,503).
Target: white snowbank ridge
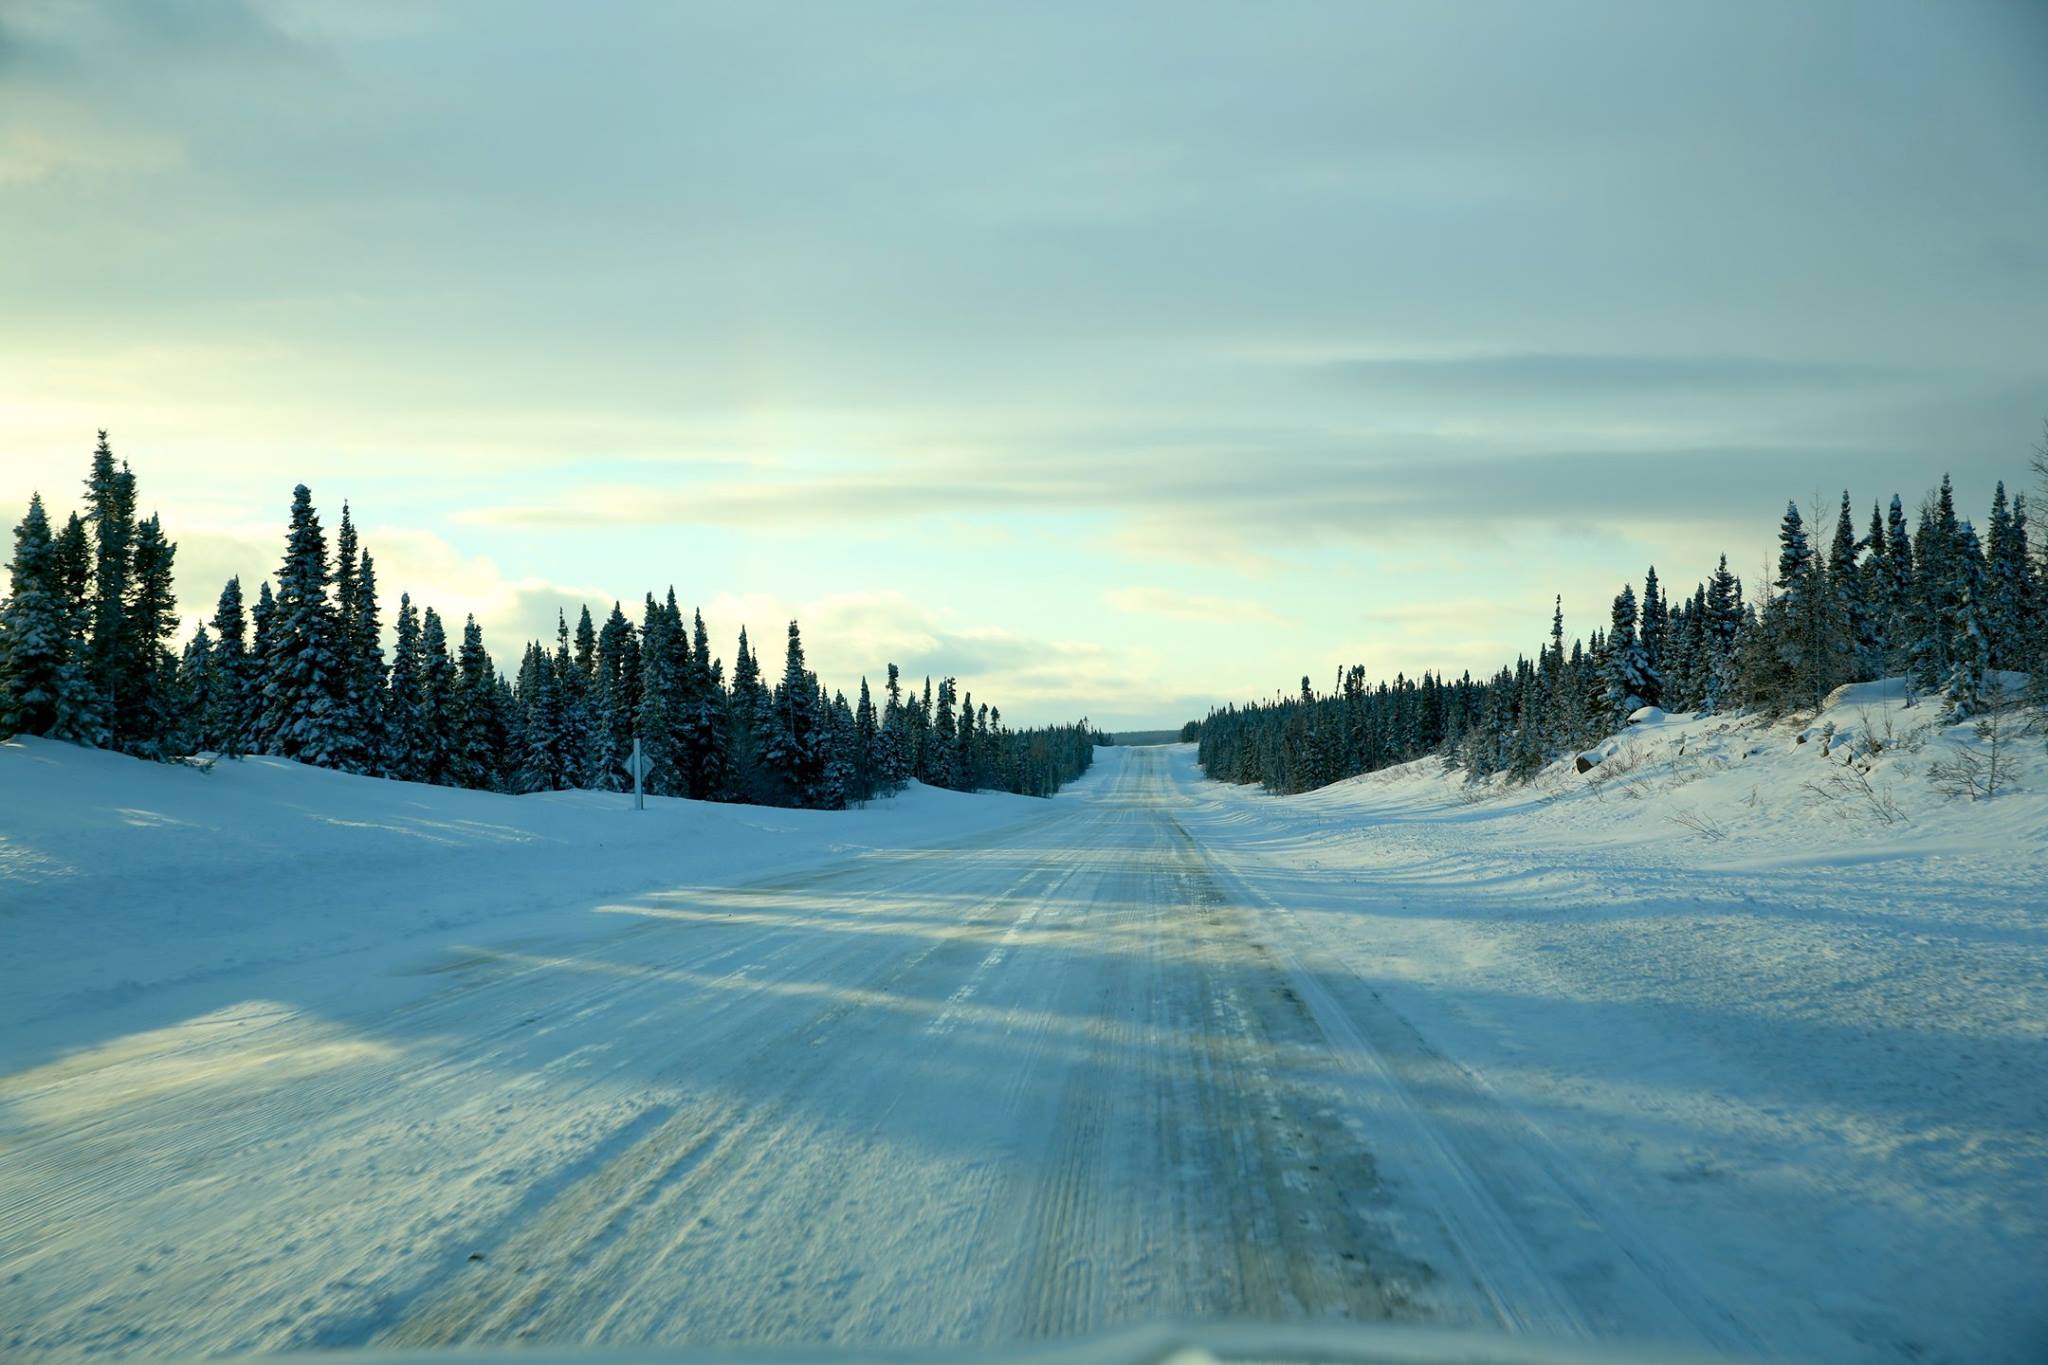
(1781,1001)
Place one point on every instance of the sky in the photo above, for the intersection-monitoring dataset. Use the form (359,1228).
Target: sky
(1119,359)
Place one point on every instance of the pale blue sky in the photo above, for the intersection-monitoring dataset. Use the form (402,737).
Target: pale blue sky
(1117,358)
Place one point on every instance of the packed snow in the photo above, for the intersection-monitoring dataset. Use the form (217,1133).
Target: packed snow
(1733,1041)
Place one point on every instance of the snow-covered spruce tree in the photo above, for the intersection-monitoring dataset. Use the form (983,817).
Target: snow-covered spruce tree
(437,701)
(1847,612)
(598,754)
(682,702)
(866,745)
(586,645)
(541,730)
(1872,628)
(1527,751)
(2008,582)
(43,687)
(942,744)
(110,516)
(660,702)
(892,745)
(199,685)
(261,661)
(1969,644)
(350,752)
(1899,591)
(750,716)
(580,752)
(368,676)
(1936,591)
(920,730)
(1655,622)
(1722,627)
(1628,668)
(405,698)
(838,782)
(793,746)
(235,693)
(618,689)
(302,689)
(477,758)
(710,735)
(1808,640)
(966,771)
(149,724)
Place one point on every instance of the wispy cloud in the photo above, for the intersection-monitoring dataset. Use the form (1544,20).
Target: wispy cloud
(1194,607)
(1577,377)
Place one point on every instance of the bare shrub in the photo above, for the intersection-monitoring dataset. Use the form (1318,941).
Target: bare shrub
(1700,823)
(1849,791)
(1981,767)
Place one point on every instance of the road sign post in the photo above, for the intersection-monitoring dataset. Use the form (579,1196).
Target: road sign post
(639,771)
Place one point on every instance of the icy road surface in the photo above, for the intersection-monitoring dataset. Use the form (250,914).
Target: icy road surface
(1076,1068)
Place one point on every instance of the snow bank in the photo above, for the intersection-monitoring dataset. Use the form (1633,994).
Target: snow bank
(126,887)
(1777,992)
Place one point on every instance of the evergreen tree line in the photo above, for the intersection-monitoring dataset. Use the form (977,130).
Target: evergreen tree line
(1933,601)
(301,673)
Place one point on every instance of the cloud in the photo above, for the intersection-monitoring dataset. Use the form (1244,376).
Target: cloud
(1194,607)
(1575,377)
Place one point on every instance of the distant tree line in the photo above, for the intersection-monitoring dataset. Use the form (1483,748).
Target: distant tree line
(1935,602)
(301,673)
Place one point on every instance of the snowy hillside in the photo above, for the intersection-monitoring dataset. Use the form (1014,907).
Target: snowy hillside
(1781,998)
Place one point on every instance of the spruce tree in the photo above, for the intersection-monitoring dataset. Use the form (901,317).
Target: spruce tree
(793,748)
(1899,592)
(235,694)
(150,720)
(1937,585)
(302,693)
(478,751)
(368,678)
(1846,618)
(1969,643)
(437,701)
(1873,590)
(110,515)
(944,739)
(1656,620)
(1722,627)
(660,701)
(1628,668)
(1805,628)
(586,646)
(2007,582)
(350,751)
(710,735)
(43,687)
(262,661)
(618,696)
(581,754)
(542,733)
(200,683)
(866,745)
(405,698)
(892,760)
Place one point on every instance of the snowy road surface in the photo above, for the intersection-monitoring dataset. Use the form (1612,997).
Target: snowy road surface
(1036,1083)
(1079,1070)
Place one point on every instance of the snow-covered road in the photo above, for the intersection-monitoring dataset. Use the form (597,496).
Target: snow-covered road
(1033,1082)
(1119,1057)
